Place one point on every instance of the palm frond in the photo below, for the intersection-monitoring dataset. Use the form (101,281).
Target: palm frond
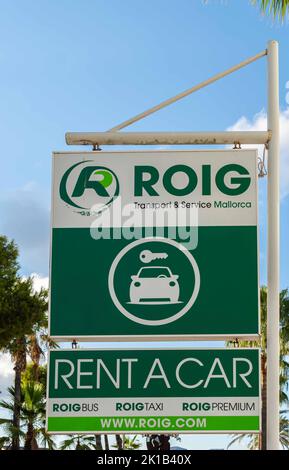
(45,438)
(7,405)
(67,443)
(276,8)
(236,440)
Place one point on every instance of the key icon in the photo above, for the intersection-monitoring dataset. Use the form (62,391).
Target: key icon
(146,256)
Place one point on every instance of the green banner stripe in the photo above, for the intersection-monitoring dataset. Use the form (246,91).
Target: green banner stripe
(154,423)
(190,373)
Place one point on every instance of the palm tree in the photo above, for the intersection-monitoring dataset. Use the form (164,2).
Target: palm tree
(19,350)
(284,429)
(45,440)
(28,376)
(18,353)
(32,411)
(253,441)
(129,443)
(284,364)
(30,309)
(4,443)
(98,443)
(78,442)
(276,8)
(22,315)
(31,428)
(35,352)
(38,342)
(106,443)
(7,425)
(34,344)
(119,443)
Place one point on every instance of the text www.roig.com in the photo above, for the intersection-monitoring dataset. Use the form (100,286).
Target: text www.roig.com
(153,423)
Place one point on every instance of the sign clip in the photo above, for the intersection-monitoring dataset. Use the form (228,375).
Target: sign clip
(262,170)
(237,146)
(96,148)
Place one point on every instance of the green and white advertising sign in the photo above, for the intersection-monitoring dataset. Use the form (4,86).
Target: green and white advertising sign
(152,391)
(154,245)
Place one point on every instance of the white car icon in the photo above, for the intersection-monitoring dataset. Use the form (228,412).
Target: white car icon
(154,285)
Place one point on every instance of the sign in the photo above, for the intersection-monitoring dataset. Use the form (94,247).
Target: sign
(154,245)
(154,390)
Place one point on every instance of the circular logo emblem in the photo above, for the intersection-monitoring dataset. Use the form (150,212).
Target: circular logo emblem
(85,185)
(154,281)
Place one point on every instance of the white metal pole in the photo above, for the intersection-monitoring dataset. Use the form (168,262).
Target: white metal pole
(167,138)
(273,252)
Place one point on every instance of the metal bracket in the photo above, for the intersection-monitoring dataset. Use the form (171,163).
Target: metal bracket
(96,148)
(237,146)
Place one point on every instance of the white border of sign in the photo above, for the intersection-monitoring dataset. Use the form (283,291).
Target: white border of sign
(153,338)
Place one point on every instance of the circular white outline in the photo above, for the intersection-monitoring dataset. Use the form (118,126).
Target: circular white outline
(165,321)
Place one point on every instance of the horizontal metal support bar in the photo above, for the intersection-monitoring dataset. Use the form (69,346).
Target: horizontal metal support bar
(187,92)
(167,138)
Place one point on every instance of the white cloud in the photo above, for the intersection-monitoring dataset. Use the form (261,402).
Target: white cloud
(39,281)
(259,123)
(6,374)
(6,365)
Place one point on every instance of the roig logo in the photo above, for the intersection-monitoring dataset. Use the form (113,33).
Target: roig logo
(85,185)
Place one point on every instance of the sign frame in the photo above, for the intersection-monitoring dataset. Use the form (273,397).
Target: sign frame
(156,337)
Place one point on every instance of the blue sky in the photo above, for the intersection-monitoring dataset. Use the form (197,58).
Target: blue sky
(71,65)
(87,65)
